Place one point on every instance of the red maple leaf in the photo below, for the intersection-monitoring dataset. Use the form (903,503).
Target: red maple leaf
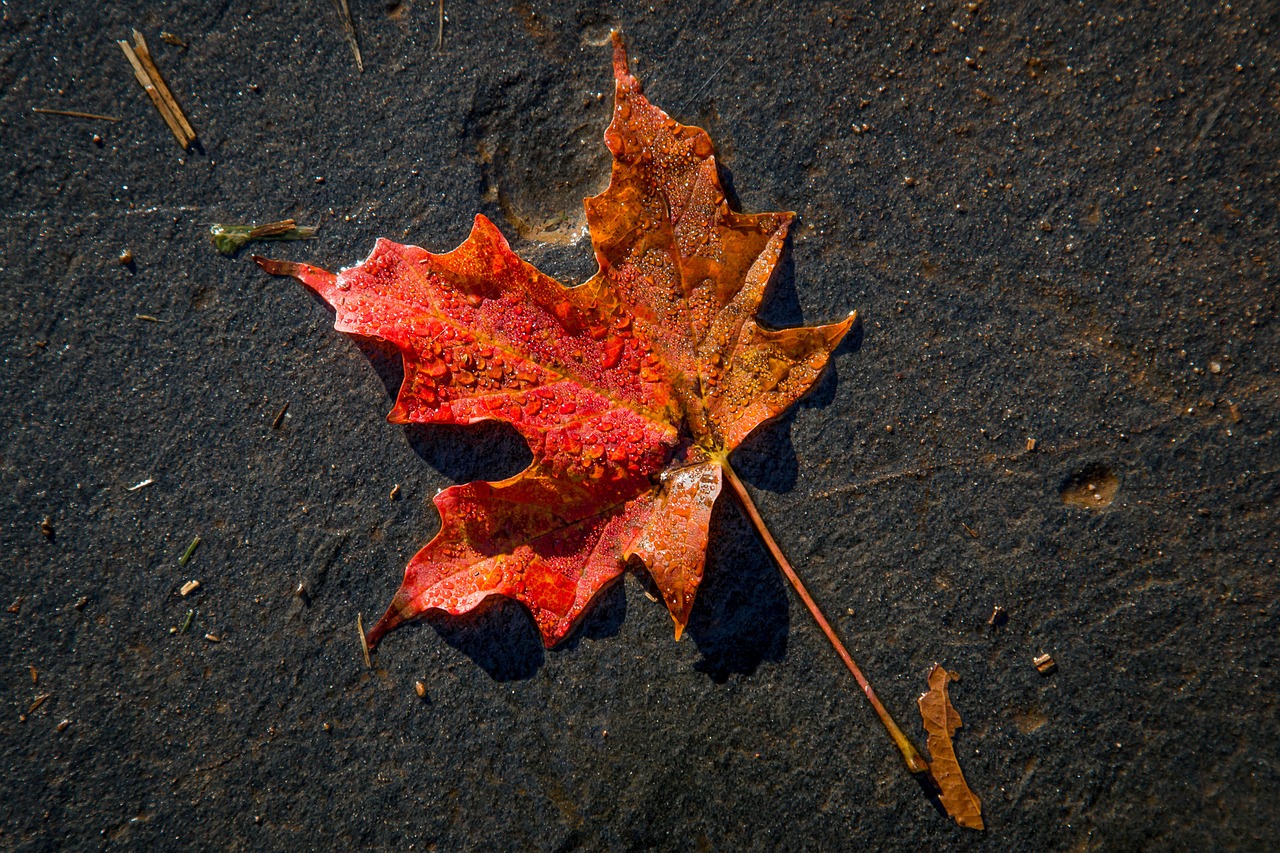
(630,389)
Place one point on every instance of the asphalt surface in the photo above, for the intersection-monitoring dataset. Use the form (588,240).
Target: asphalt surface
(1059,225)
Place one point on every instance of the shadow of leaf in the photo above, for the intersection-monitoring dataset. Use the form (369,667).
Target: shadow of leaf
(385,360)
(485,451)
(741,615)
(502,639)
(498,636)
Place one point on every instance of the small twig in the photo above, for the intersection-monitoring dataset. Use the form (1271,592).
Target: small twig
(187,554)
(275,424)
(140,484)
(186,623)
(144,56)
(349,30)
(148,86)
(149,318)
(364,642)
(149,78)
(440,29)
(72,113)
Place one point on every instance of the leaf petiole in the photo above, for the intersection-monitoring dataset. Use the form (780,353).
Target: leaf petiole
(915,761)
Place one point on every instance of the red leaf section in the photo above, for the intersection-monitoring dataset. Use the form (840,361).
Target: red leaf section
(631,389)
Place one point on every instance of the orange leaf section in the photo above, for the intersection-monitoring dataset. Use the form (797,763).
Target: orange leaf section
(630,389)
(941,722)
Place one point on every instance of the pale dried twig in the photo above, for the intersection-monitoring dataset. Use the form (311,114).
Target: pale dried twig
(144,69)
(349,30)
(364,641)
(72,113)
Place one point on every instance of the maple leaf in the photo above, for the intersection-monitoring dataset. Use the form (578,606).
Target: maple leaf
(631,389)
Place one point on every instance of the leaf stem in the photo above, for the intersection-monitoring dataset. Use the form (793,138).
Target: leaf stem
(915,761)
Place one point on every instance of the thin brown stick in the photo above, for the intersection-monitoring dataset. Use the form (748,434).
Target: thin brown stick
(440,29)
(73,113)
(147,86)
(144,69)
(915,761)
(364,642)
(144,56)
(349,30)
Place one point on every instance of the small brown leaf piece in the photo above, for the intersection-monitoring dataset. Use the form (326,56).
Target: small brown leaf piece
(941,721)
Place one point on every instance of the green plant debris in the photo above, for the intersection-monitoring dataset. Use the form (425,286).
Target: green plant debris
(191,550)
(186,622)
(229,239)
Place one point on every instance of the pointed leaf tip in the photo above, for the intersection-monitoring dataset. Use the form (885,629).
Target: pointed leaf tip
(621,67)
(321,281)
(274,266)
(393,617)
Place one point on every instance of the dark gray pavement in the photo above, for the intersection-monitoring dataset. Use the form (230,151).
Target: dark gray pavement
(1058,224)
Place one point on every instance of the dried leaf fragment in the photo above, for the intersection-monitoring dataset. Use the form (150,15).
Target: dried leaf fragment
(229,239)
(941,722)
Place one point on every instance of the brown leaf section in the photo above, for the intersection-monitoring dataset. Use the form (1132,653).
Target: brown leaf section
(941,721)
